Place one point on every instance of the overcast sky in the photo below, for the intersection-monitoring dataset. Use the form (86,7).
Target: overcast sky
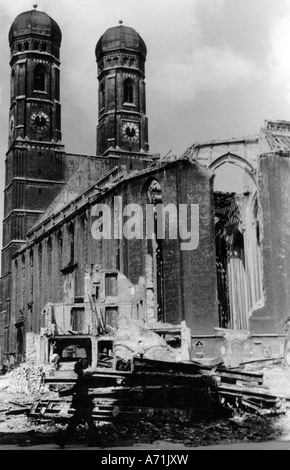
(214,69)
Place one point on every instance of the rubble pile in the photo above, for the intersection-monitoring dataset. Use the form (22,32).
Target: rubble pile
(28,378)
(133,339)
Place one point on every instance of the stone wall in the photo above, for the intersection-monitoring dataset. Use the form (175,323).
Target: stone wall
(274,199)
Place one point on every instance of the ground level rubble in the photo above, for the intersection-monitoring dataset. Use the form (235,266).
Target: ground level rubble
(17,427)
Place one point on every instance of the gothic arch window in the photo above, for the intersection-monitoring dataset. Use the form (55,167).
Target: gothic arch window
(49,256)
(19,47)
(128,90)
(71,240)
(102,95)
(13,83)
(40,257)
(35,45)
(31,258)
(60,248)
(26,46)
(39,76)
(19,339)
(154,252)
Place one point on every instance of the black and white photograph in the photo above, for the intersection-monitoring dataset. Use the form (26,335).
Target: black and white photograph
(145,228)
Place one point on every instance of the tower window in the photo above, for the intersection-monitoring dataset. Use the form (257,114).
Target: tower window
(13,83)
(26,45)
(19,47)
(102,95)
(39,77)
(35,45)
(43,47)
(128,90)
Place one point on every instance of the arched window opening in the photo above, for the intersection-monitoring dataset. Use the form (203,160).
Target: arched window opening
(49,258)
(13,83)
(44,47)
(102,95)
(71,235)
(39,78)
(26,46)
(40,256)
(19,47)
(19,340)
(31,258)
(154,255)
(35,45)
(60,241)
(128,90)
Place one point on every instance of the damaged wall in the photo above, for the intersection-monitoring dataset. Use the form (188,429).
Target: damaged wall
(274,198)
(54,266)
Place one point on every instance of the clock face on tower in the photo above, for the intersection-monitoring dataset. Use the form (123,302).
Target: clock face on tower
(130,131)
(39,121)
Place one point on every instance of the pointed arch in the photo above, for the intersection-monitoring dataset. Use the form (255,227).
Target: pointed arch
(39,77)
(71,235)
(129,90)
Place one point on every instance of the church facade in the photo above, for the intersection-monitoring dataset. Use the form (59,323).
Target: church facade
(77,252)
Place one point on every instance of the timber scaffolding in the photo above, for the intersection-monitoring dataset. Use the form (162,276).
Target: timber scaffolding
(162,391)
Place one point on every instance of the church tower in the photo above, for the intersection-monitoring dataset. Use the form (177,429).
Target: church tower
(122,124)
(35,157)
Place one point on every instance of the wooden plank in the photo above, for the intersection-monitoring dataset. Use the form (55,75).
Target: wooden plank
(250,390)
(164,366)
(237,370)
(19,404)
(252,361)
(266,399)
(239,376)
(18,411)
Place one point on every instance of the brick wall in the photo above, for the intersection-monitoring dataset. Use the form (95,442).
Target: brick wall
(274,199)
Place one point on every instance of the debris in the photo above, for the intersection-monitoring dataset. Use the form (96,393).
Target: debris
(18,411)
(168,391)
(28,378)
(132,339)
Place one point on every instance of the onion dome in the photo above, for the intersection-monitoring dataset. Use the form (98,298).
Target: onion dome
(120,38)
(37,23)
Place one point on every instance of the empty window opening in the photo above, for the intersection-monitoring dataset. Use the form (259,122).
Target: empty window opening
(39,77)
(111,316)
(102,95)
(77,319)
(71,235)
(128,90)
(111,284)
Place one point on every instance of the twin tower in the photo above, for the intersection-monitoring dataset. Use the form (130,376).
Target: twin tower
(35,161)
